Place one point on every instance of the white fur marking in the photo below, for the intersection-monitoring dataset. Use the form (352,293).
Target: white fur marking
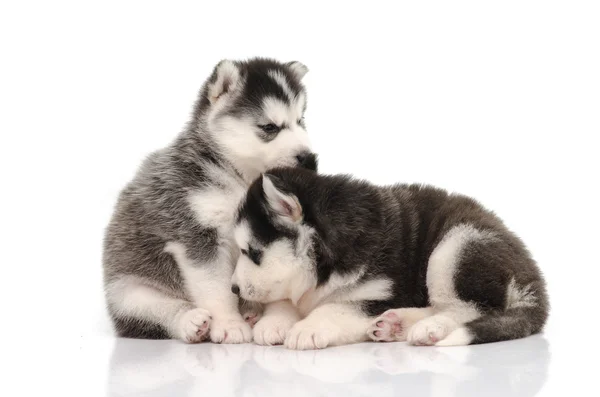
(215,207)
(442,267)
(278,112)
(451,311)
(215,204)
(458,337)
(241,235)
(378,289)
(519,297)
(282,82)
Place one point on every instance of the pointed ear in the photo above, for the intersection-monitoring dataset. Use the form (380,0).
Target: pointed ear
(285,206)
(225,79)
(298,69)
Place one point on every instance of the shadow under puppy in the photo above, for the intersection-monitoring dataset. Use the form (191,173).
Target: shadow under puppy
(327,254)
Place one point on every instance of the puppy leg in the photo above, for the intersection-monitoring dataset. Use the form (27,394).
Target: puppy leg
(332,324)
(274,326)
(464,250)
(142,311)
(394,324)
(209,285)
(431,330)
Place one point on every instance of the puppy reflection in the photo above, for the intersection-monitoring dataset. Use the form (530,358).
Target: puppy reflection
(167,367)
(515,368)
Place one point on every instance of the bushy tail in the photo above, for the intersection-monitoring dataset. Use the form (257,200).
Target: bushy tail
(514,322)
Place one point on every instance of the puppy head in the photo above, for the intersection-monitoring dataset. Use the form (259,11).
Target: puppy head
(276,243)
(255,112)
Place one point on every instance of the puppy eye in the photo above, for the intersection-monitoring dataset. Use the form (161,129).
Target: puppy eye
(254,255)
(270,128)
(301,120)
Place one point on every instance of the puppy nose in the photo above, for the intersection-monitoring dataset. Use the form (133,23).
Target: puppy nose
(302,157)
(307,160)
(235,289)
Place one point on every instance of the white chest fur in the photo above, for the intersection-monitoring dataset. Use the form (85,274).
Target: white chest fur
(215,205)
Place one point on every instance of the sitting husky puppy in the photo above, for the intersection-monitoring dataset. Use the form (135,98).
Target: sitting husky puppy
(169,252)
(337,251)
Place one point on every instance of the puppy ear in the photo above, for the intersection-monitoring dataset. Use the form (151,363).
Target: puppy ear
(285,206)
(224,80)
(298,69)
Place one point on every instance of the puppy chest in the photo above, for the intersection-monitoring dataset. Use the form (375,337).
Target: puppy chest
(216,207)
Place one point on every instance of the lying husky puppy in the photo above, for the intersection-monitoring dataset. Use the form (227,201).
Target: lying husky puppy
(169,252)
(337,252)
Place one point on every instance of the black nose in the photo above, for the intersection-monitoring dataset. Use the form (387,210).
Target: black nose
(235,289)
(307,160)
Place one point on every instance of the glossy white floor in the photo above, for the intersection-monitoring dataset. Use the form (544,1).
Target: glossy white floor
(541,365)
(167,368)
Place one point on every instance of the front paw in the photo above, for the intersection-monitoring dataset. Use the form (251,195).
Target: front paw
(272,330)
(193,325)
(308,335)
(230,330)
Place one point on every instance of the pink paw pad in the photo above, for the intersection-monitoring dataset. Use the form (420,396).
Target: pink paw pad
(251,319)
(391,315)
(386,328)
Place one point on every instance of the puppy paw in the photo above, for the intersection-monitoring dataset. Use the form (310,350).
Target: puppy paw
(272,330)
(230,330)
(252,318)
(431,330)
(389,327)
(307,335)
(193,325)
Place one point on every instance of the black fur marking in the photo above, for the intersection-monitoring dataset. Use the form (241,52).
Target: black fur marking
(254,255)
(260,85)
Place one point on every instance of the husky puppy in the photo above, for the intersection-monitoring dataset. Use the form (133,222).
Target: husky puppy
(169,252)
(437,268)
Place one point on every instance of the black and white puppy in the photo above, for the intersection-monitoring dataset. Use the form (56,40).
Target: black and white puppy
(169,251)
(328,254)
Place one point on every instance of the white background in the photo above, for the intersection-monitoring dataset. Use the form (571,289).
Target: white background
(498,100)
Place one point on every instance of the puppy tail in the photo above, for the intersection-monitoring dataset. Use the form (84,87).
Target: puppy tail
(515,322)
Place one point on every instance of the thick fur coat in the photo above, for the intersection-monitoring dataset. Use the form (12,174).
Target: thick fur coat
(337,252)
(169,252)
